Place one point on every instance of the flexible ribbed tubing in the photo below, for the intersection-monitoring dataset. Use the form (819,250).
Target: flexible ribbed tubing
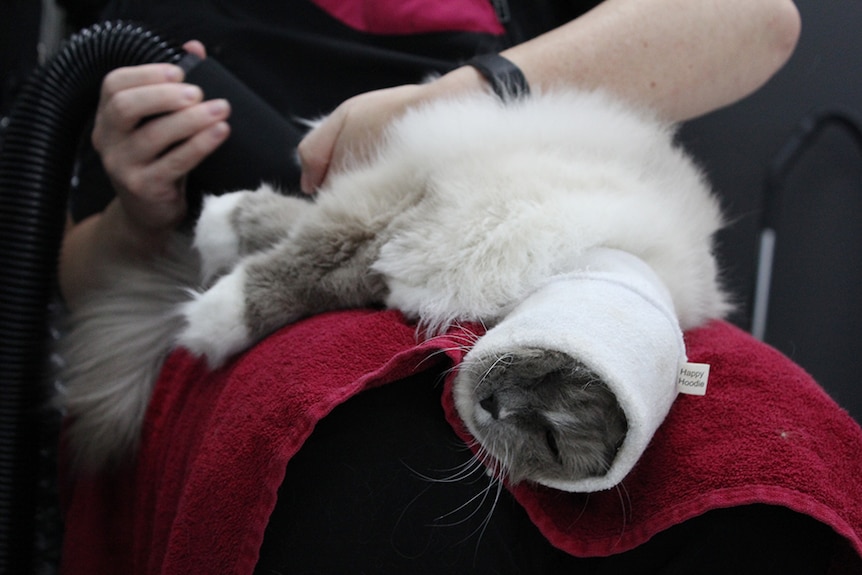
(36,164)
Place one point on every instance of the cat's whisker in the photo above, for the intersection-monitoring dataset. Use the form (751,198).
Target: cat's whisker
(466,335)
(463,342)
(622,494)
(497,465)
(434,354)
(503,359)
(481,496)
(625,499)
(497,487)
(487,520)
(454,474)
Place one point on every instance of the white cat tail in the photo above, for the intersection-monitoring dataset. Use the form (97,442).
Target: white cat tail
(111,350)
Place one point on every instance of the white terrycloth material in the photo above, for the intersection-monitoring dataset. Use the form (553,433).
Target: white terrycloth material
(616,317)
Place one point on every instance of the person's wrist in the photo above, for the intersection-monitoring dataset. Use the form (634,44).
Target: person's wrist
(503,76)
(469,78)
(461,80)
(132,237)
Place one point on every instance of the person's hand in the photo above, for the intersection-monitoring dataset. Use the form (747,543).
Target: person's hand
(355,128)
(151,129)
(351,131)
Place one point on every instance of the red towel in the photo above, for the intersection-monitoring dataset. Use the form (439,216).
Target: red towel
(216,445)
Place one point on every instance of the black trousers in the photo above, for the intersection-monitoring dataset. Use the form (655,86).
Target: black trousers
(381,487)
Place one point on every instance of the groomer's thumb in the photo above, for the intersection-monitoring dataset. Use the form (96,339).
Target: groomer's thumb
(316,151)
(195,47)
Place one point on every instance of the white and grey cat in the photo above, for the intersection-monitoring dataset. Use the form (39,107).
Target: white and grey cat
(568,213)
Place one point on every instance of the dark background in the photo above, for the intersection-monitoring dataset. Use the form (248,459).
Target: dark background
(815,312)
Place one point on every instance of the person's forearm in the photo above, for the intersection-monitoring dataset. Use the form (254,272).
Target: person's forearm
(94,248)
(681,57)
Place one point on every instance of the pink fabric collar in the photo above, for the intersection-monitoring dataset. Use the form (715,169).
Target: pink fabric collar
(414,16)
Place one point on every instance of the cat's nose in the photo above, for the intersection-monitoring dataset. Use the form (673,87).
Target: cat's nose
(491,405)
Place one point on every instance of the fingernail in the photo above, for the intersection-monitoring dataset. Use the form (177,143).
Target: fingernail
(173,73)
(192,93)
(218,107)
(219,130)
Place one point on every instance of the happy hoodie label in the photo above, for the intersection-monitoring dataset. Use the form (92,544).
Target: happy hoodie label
(693,378)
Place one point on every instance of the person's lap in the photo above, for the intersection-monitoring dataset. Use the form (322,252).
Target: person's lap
(383,485)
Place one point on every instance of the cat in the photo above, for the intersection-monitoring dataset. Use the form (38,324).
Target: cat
(476,210)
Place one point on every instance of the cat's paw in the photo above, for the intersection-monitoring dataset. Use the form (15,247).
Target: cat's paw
(216,238)
(215,321)
(540,414)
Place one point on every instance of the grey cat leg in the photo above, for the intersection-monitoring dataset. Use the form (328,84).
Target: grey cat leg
(317,271)
(237,224)
(319,268)
(265,217)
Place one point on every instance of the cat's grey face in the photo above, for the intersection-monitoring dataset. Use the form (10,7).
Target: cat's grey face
(541,415)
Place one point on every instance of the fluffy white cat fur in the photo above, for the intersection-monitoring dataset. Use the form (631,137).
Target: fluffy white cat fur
(468,209)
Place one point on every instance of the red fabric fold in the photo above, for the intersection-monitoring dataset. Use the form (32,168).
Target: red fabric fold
(764,433)
(216,445)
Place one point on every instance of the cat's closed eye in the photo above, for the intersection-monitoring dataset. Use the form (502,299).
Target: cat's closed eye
(551,441)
